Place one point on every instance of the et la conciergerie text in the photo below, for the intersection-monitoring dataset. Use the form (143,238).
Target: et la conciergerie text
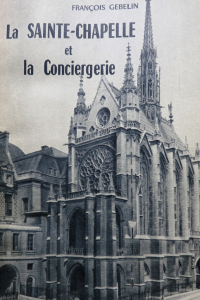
(80,31)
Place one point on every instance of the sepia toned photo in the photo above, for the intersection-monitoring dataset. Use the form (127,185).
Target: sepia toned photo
(99,153)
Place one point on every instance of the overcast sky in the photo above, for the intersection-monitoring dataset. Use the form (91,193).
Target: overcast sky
(36,109)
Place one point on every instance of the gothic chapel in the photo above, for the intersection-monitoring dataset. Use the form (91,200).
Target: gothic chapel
(119,215)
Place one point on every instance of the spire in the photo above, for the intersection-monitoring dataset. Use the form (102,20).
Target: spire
(186,144)
(197,152)
(60,194)
(81,92)
(128,70)
(148,31)
(170,113)
(51,193)
(80,106)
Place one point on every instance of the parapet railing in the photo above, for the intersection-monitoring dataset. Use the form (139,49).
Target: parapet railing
(95,134)
(76,251)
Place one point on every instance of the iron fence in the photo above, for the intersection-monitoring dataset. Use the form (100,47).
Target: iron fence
(9,296)
(167,290)
(34,292)
(146,294)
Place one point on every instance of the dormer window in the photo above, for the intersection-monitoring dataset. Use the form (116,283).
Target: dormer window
(8,178)
(25,205)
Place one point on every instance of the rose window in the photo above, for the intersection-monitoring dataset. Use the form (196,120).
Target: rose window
(97,168)
(103,117)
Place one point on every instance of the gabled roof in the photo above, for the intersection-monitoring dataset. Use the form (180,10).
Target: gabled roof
(144,141)
(115,90)
(42,161)
(178,159)
(109,88)
(168,134)
(145,124)
(162,147)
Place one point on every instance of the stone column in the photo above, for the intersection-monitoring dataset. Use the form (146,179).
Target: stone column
(89,248)
(63,235)
(195,202)
(105,241)
(51,284)
(121,161)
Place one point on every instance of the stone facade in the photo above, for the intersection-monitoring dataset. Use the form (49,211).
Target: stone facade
(116,218)
(25,182)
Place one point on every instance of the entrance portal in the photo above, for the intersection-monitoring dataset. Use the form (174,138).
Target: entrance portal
(29,287)
(198,274)
(77,283)
(8,280)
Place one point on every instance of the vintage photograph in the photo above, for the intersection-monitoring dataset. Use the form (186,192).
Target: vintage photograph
(99,153)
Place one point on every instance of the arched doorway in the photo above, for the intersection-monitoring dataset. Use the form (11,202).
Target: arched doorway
(8,280)
(77,231)
(77,282)
(198,274)
(30,287)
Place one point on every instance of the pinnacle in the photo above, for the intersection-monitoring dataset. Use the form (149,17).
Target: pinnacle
(128,70)
(81,91)
(80,106)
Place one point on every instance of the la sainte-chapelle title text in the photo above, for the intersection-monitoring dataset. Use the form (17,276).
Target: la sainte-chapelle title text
(81,31)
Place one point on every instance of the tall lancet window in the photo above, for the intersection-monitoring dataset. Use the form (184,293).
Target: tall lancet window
(190,195)
(150,88)
(162,209)
(178,224)
(144,193)
(150,65)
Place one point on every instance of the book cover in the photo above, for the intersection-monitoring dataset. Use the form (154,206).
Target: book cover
(93,96)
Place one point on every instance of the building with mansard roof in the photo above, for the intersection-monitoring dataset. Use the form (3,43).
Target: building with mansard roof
(119,217)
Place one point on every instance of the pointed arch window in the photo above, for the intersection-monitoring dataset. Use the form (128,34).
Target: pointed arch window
(118,230)
(162,211)
(178,224)
(190,196)
(144,194)
(144,89)
(150,65)
(150,88)
(77,233)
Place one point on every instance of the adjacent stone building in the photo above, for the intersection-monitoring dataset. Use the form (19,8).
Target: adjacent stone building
(116,218)
(25,182)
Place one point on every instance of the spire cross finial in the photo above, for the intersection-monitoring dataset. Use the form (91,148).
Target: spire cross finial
(81,81)
(128,49)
